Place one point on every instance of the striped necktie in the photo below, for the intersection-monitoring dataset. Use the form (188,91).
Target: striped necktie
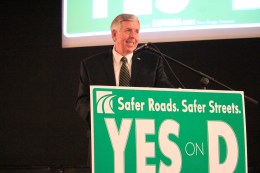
(124,75)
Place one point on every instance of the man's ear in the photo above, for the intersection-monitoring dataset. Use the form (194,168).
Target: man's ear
(114,34)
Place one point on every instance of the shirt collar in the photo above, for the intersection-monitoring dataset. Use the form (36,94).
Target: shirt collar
(117,57)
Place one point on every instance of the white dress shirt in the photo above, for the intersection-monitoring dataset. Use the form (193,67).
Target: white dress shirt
(117,64)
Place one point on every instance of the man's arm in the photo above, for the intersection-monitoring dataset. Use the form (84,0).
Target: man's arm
(162,79)
(83,98)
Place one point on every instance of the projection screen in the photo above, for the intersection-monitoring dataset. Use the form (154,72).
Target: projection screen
(87,22)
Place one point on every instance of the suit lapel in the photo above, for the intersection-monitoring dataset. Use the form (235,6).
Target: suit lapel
(108,67)
(136,66)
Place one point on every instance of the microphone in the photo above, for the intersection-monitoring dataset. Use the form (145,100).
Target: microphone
(204,81)
(144,46)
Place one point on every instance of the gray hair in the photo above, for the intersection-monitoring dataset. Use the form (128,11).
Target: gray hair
(116,23)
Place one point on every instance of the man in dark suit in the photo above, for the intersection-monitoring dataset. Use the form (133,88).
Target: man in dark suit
(145,68)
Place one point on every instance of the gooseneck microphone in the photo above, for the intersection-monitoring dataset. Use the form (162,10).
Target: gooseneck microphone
(152,48)
(144,46)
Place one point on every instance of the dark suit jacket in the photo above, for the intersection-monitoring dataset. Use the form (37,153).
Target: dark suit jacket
(147,71)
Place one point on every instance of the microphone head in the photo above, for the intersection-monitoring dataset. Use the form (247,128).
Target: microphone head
(204,81)
(142,47)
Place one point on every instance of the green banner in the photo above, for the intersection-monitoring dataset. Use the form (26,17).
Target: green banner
(155,130)
(92,17)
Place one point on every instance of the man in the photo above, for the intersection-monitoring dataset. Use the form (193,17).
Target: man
(145,68)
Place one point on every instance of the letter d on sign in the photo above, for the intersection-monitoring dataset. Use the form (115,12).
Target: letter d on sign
(215,130)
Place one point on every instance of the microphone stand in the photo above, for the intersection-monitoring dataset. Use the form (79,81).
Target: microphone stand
(205,78)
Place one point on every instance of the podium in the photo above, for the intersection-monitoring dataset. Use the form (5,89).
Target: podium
(158,130)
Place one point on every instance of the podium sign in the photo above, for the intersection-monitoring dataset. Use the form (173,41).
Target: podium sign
(155,130)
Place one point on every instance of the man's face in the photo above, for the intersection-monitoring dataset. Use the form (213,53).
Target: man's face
(127,39)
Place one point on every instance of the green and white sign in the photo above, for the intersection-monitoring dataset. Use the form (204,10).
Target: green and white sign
(155,130)
(87,22)
(93,17)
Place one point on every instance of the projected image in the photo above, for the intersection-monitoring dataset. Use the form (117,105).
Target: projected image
(87,22)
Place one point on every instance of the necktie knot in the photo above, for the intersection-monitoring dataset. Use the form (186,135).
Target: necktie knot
(124,59)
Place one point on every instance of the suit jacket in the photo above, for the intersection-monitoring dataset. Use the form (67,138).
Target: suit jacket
(147,71)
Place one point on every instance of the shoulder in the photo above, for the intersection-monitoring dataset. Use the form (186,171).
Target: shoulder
(98,57)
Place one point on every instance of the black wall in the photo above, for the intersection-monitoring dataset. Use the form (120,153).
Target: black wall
(39,81)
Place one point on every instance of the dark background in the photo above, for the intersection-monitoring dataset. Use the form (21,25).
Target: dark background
(39,127)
